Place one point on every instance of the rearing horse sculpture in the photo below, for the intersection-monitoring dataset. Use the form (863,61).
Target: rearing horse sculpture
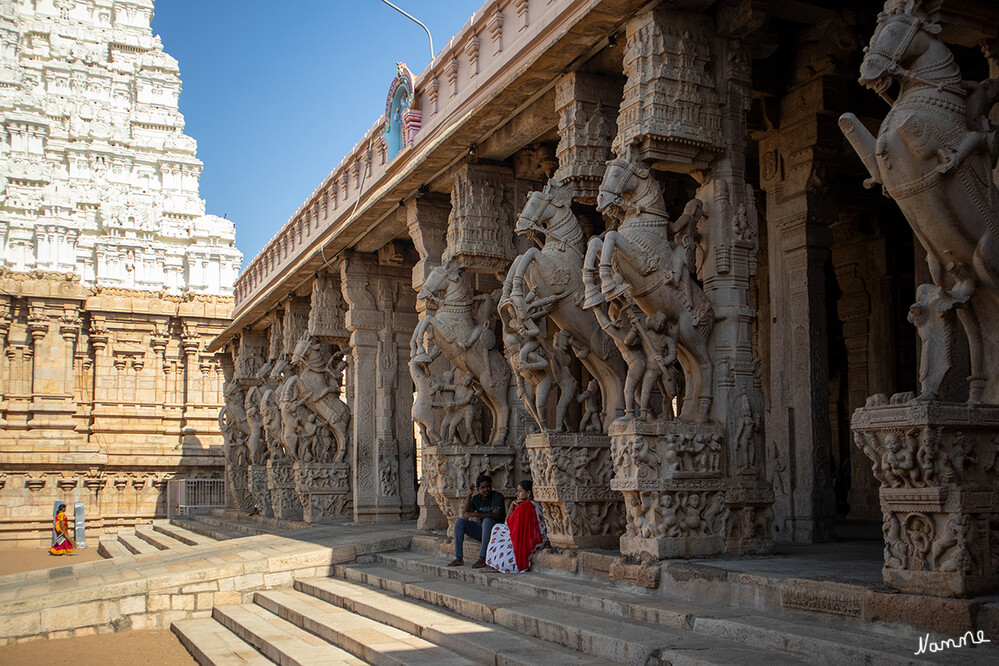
(932,156)
(641,260)
(467,344)
(556,269)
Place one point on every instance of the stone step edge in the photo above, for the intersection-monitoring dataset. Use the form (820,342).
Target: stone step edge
(159,540)
(706,584)
(227,525)
(222,647)
(343,639)
(274,523)
(245,621)
(683,618)
(468,647)
(661,644)
(180,534)
(205,530)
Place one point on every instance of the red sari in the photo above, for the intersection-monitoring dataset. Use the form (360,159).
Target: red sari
(511,544)
(61,545)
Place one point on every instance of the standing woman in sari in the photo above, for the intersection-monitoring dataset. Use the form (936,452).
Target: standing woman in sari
(62,544)
(512,544)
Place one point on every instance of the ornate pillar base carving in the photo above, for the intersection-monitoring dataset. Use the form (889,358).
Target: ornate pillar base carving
(674,489)
(281,484)
(571,474)
(937,466)
(323,490)
(256,481)
(237,480)
(451,469)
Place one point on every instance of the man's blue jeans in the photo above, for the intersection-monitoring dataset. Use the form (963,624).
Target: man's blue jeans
(474,529)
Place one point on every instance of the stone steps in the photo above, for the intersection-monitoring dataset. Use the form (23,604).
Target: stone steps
(159,540)
(180,534)
(110,547)
(209,643)
(229,525)
(482,596)
(209,531)
(136,545)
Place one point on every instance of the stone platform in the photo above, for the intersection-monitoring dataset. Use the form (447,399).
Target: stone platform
(361,593)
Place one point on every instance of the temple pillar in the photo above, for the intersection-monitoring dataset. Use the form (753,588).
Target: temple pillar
(799,215)
(379,326)
(694,484)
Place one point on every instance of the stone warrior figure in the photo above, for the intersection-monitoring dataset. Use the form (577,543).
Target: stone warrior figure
(319,389)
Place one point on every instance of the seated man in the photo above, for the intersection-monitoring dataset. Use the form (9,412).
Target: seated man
(486,506)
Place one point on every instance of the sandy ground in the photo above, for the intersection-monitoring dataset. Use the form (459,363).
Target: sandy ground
(136,647)
(14,560)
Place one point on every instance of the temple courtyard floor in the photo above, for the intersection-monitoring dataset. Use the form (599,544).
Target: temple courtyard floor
(235,590)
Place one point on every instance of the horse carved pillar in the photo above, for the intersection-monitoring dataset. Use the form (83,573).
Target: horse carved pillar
(463,389)
(426,219)
(669,282)
(284,414)
(250,356)
(935,453)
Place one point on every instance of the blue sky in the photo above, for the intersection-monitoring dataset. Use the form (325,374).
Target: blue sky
(276,93)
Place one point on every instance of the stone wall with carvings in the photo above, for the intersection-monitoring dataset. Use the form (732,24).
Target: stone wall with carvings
(104,395)
(113,277)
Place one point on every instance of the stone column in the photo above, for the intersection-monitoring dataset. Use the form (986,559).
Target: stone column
(799,213)
(587,106)
(426,219)
(5,322)
(366,322)
(249,356)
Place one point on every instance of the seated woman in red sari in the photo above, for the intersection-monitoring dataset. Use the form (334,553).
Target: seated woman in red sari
(512,544)
(63,543)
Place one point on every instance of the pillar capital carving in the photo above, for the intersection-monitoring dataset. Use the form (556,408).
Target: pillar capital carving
(427,219)
(479,235)
(587,108)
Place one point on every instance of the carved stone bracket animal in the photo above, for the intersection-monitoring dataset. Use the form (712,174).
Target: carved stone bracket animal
(642,262)
(932,156)
(464,341)
(319,387)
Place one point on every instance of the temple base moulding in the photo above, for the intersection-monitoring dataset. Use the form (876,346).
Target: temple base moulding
(256,482)
(281,484)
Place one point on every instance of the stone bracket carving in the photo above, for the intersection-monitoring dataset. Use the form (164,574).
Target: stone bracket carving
(324,490)
(571,473)
(449,470)
(936,463)
(281,484)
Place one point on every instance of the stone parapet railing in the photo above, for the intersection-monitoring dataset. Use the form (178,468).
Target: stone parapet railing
(494,45)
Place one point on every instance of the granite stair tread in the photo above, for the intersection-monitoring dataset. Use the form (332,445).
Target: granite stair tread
(483,642)
(210,531)
(795,635)
(135,545)
(277,639)
(213,645)
(110,547)
(363,637)
(181,534)
(596,634)
(159,540)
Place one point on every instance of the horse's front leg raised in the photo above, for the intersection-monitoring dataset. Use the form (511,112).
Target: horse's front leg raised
(613,284)
(592,295)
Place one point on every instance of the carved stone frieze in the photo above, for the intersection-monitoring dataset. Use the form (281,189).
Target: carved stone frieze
(482,212)
(571,474)
(328,311)
(670,106)
(448,471)
(587,105)
(256,482)
(283,494)
(324,490)
(936,463)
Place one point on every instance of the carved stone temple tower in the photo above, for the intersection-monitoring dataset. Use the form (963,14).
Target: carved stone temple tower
(112,278)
